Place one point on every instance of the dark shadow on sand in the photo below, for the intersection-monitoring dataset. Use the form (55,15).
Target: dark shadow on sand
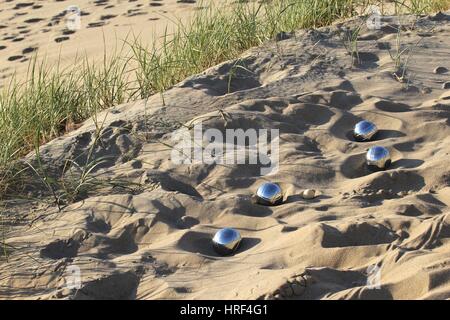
(201,242)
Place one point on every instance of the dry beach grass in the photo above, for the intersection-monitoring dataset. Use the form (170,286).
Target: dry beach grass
(104,195)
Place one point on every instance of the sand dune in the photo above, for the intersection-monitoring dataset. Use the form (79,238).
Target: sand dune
(30,27)
(153,241)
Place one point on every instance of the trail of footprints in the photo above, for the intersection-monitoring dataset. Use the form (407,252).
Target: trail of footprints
(55,20)
(292,288)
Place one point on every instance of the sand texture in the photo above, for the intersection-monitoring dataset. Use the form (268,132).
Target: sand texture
(41,27)
(153,241)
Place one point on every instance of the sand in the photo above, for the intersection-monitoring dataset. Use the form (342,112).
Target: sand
(45,28)
(368,235)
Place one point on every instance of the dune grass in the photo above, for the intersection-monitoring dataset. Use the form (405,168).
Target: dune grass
(52,99)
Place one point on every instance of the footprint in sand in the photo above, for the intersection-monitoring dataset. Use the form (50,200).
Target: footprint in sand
(390,106)
(14,58)
(134,12)
(67,32)
(56,19)
(61,39)
(99,3)
(29,50)
(108,17)
(440,70)
(23,5)
(33,20)
(384,45)
(294,287)
(96,24)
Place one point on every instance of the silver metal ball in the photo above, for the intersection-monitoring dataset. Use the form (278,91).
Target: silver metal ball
(226,241)
(269,194)
(378,157)
(364,130)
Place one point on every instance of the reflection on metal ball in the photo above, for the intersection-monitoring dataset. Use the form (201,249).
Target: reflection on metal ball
(269,194)
(226,241)
(378,157)
(364,131)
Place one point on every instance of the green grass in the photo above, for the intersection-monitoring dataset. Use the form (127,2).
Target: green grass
(51,99)
(420,6)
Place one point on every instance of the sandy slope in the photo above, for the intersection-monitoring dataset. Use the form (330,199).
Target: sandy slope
(40,26)
(153,242)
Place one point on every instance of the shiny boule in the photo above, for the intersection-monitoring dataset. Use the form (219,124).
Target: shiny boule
(378,158)
(226,241)
(364,131)
(269,194)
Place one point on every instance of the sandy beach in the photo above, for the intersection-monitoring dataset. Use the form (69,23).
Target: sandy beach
(146,234)
(50,30)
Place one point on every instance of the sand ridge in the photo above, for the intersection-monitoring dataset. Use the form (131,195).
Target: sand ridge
(153,242)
